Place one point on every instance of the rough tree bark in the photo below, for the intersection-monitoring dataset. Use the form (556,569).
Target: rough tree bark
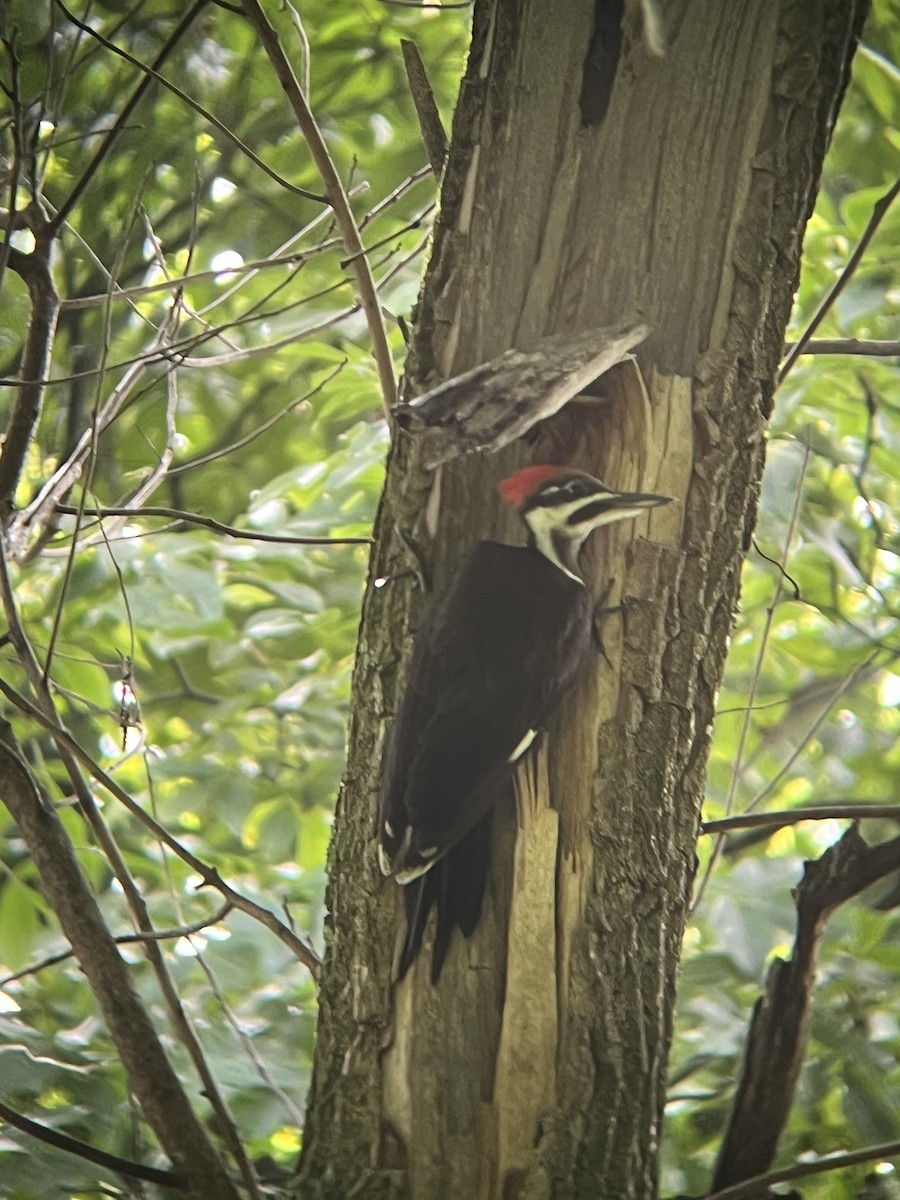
(587,178)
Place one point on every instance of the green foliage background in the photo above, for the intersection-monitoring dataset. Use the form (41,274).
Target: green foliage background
(267,403)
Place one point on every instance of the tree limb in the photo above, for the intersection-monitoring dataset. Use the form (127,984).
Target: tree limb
(778,1033)
(773,821)
(179,514)
(150,1074)
(209,875)
(123,116)
(34,268)
(112,1162)
(335,194)
(862,346)
(829,1162)
(198,108)
(124,939)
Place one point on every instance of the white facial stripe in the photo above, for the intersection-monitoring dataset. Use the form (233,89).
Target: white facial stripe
(614,514)
(542,523)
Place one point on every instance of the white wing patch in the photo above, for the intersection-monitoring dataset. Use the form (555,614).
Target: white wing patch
(520,749)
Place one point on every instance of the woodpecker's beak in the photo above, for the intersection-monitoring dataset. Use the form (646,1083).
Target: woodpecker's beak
(605,507)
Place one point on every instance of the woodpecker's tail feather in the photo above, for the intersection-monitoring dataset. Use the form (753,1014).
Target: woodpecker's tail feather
(455,887)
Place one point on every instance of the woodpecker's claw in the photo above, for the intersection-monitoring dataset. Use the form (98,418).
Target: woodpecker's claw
(419,567)
(601,612)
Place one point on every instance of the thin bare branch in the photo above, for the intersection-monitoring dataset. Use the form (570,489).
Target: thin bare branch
(92,446)
(776,1042)
(337,198)
(178,514)
(112,1162)
(879,212)
(195,105)
(179,282)
(844,686)
(31,518)
(754,683)
(150,1074)
(861,346)
(429,5)
(124,939)
(839,1161)
(125,114)
(249,1047)
(794,816)
(239,443)
(209,875)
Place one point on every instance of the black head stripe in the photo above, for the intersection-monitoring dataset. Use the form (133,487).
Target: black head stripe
(562,490)
(591,509)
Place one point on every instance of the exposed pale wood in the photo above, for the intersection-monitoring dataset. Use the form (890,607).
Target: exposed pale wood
(524,1088)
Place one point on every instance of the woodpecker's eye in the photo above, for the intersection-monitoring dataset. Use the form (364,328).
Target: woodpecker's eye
(573,488)
(551,489)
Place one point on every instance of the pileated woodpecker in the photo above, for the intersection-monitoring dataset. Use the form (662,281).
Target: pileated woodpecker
(489,666)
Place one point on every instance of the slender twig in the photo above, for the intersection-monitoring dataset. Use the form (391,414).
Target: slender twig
(191,103)
(428,5)
(862,346)
(112,1162)
(337,198)
(125,114)
(793,816)
(879,212)
(151,1075)
(839,691)
(179,350)
(779,1028)
(69,471)
(209,875)
(124,939)
(409,227)
(178,514)
(234,444)
(754,684)
(92,447)
(839,1161)
(248,1044)
(869,441)
(105,985)
(177,283)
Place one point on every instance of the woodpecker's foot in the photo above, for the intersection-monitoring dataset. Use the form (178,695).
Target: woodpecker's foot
(601,611)
(418,570)
(419,567)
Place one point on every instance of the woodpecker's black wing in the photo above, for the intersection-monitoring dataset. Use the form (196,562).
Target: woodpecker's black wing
(488,667)
(455,887)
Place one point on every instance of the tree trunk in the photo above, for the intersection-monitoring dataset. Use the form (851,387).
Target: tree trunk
(588,178)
